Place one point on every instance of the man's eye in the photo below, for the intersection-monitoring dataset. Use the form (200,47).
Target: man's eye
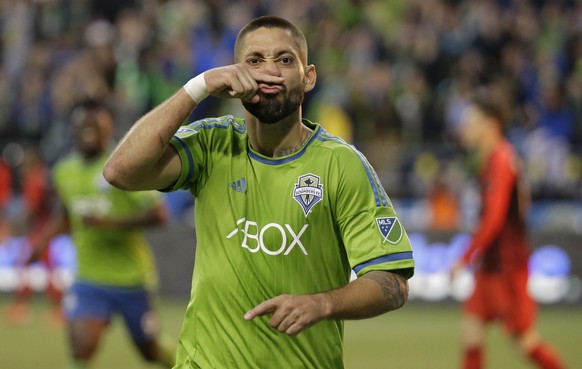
(286,60)
(253,61)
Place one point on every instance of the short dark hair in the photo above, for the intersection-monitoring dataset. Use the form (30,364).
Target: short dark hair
(271,21)
(88,108)
(90,105)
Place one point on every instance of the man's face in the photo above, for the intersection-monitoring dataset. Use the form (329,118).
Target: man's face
(472,127)
(92,133)
(274,51)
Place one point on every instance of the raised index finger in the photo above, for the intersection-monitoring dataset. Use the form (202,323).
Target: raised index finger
(261,77)
(265,307)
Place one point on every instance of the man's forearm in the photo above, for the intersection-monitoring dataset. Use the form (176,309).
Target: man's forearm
(373,294)
(138,162)
(58,224)
(153,217)
(156,216)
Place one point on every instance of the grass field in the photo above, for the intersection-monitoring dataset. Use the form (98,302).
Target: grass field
(420,336)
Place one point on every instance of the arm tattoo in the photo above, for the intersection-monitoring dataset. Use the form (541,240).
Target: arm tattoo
(393,285)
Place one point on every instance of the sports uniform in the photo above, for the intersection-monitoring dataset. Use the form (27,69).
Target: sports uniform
(265,226)
(499,249)
(115,266)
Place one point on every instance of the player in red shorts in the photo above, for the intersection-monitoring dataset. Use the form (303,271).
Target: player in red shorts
(36,196)
(499,251)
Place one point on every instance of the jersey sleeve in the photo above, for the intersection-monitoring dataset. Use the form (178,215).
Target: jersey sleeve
(198,144)
(191,143)
(373,236)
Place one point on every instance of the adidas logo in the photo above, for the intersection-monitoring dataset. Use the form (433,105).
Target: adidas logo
(239,186)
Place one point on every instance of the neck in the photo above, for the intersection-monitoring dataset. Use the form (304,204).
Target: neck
(488,144)
(277,139)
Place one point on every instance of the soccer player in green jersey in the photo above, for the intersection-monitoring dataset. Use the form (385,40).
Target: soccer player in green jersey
(116,270)
(284,212)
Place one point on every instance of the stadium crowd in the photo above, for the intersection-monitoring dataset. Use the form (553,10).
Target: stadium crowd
(393,78)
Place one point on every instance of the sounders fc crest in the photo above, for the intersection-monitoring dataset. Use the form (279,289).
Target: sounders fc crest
(308,192)
(390,229)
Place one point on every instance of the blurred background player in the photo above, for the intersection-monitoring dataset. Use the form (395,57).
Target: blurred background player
(499,250)
(116,270)
(36,198)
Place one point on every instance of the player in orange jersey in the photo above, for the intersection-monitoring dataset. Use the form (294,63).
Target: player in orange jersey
(499,250)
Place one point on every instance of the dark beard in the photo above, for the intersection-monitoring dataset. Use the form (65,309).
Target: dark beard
(271,110)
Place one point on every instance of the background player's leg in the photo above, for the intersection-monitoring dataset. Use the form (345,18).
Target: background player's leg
(538,351)
(472,338)
(520,322)
(156,350)
(55,296)
(84,337)
(143,325)
(88,311)
(19,312)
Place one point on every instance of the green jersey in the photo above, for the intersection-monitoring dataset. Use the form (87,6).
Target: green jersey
(269,226)
(118,257)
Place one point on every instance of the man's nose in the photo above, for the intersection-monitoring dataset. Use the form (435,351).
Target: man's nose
(271,67)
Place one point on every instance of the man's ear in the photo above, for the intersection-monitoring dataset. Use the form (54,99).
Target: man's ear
(310,78)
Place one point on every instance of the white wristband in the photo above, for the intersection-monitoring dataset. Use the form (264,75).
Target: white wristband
(196,88)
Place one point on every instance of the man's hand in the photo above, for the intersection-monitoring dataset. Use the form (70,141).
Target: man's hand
(238,81)
(457,269)
(34,255)
(292,313)
(96,222)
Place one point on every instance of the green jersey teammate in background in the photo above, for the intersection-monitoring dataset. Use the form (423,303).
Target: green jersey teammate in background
(116,270)
(284,211)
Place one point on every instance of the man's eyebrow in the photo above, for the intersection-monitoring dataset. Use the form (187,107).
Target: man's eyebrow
(278,54)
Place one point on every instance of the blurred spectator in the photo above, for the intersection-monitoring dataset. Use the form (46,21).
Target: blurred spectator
(22,229)
(443,204)
(396,74)
(5,187)
(555,115)
(35,188)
